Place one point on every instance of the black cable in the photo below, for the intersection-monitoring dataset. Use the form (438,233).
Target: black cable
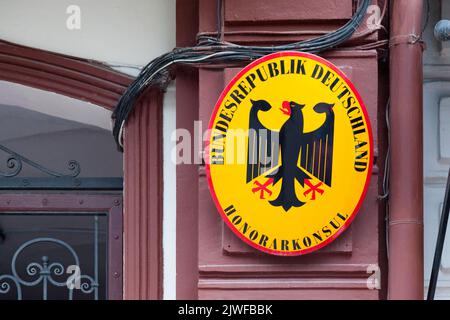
(427,18)
(211,50)
(440,242)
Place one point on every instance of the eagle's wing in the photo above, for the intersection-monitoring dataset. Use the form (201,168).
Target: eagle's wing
(262,147)
(316,151)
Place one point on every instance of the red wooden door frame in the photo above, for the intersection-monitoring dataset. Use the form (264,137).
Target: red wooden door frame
(96,83)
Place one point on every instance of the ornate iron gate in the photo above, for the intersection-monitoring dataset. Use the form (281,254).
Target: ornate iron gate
(43,272)
(45,248)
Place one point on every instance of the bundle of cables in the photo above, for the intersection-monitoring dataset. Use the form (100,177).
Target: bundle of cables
(211,50)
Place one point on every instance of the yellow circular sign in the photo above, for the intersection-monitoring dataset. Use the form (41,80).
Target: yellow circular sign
(290,153)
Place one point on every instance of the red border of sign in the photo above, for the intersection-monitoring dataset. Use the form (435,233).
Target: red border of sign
(369,171)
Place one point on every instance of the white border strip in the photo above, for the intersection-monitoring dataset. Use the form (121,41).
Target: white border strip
(169,192)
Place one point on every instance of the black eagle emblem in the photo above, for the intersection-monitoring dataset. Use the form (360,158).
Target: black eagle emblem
(304,155)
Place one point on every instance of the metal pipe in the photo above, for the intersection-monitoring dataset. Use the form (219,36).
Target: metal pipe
(405,229)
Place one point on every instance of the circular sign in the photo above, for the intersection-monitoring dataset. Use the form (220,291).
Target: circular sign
(289,153)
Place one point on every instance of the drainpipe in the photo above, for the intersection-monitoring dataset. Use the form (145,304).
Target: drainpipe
(405,229)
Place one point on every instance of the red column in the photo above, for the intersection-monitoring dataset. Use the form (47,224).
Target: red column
(143,199)
(187,174)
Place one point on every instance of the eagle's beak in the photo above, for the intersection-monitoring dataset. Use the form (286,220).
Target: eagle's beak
(286,108)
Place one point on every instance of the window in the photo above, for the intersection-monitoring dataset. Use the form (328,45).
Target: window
(60,198)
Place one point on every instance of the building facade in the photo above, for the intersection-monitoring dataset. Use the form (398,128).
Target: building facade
(139,224)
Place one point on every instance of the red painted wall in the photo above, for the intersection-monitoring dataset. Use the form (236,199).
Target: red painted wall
(212,262)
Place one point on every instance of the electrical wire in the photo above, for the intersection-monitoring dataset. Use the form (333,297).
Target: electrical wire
(211,50)
(427,18)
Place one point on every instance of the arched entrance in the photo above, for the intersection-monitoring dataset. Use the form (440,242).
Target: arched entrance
(97,84)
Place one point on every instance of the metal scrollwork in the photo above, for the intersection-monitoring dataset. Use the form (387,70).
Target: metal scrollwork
(44,272)
(5,285)
(15,161)
(14,167)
